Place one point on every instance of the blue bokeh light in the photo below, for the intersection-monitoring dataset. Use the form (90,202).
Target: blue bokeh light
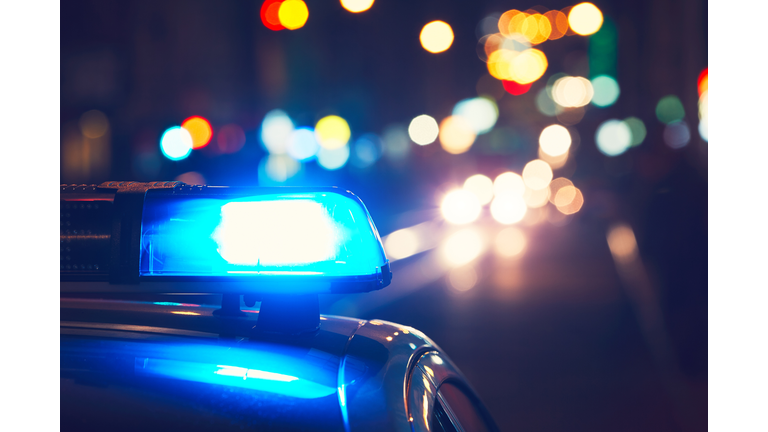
(176,143)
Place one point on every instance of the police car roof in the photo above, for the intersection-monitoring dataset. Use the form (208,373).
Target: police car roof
(129,364)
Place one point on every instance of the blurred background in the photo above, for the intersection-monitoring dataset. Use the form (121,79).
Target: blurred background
(538,173)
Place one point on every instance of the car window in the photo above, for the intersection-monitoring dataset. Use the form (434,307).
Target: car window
(455,406)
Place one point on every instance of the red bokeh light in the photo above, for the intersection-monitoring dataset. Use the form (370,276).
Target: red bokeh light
(269,16)
(515,88)
(230,138)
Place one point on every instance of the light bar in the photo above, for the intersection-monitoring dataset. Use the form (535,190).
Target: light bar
(270,240)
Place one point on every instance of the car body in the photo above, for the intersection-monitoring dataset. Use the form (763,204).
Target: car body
(171,363)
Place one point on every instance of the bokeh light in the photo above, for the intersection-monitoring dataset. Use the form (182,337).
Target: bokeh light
(572,196)
(463,278)
(293,14)
(537,174)
(481,186)
(545,104)
(269,14)
(423,130)
(334,158)
(460,207)
(276,128)
(93,124)
(555,186)
(200,130)
(230,138)
(508,208)
(622,243)
(302,144)
(555,140)
(515,88)
(366,150)
(191,178)
(703,81)
(463,246)
(356,6)
(670,109)
(487,25)
(456,135)
(704,116)
(510,21)
(637,129)
(436,36)
(332,132)
(176,143)
(536,28)
(572,92)
(509,183)
(401,244)
(277,168)
(523,67)
(510,242)
(558,23)
(606,91)
(677,134)
(613,137)
(556,162)
(480,112)
(536,198)
(396,143)
(585,19)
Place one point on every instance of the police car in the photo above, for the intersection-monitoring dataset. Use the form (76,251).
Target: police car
(144,346)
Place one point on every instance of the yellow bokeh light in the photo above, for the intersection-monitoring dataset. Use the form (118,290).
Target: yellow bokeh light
(456,135)
(481,186)
(558,24)
(293,14)
(536,28)
(462,247)
(356,6)
(460,207)
(436,36)
(555,186)
(332,132)
(585,19)
(462,278)
(573,196)
(572,92)
(556,162)
(509,183)
(184,313)
(529,66)
(536,198)
(537,174)
(510,242)
(508,208)
(555,140)
(401,244)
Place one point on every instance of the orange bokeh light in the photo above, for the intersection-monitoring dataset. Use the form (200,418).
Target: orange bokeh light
(703,82)
(558,23)
(200,129)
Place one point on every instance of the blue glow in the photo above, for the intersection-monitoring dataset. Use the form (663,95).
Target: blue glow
(480,112)
(302,144)
(283,370)
(176,143)
(366,151)
(275,234)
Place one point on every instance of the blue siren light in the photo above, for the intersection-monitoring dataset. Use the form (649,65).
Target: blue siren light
(276,239)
